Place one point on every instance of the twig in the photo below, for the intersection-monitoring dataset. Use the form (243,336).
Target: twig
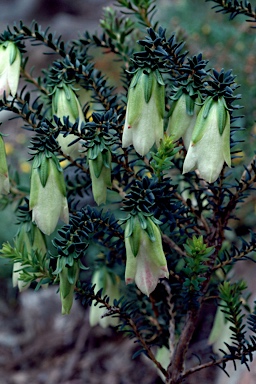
(200,217)
(236,257)
(176,366)
(173,245)
(31,79)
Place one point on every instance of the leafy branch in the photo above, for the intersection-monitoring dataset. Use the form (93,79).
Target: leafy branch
(235,7)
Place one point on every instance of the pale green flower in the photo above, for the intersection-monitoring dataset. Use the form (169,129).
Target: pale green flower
(103,279)
(144,124)
(100,172)
(66,103)
(10,60)
(145,259)
(209,148)
(183,118)
(48,195)
(68,278)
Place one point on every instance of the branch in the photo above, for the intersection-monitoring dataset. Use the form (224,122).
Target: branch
(176,366)
(172,245)
(236,257)
(32,80)
(235,8)
(192,210)
(206,365)
(111,310)
(247,180)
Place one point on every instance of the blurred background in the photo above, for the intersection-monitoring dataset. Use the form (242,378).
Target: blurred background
(37,344)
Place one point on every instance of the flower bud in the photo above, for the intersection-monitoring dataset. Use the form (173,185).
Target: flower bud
(183,118)
(109,283)
(144,124)
(48,194)
(210,143)
(68,278)
(65,103)
(4,176)
(100,172)
(10,60)
(146,262)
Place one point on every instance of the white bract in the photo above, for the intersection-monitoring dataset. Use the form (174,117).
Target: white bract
(146,262)
(144,125)
(209,148)
(10,60)
(48,198)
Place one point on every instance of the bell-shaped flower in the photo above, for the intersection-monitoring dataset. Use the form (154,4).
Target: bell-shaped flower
(65,103)
(100,172)
(209,148)
(183,118)
(10,60)
(109,283)
(68,278)
(144,124)
(48,200)
(145,259)
(4,176)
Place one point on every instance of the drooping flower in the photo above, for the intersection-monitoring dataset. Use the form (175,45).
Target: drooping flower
(109,283)
(48,200)
(183,118)
(4,176)
(66,104)
(144,124)
(100,172)
(68,278)
(146,262)
(209,148)
(10,60)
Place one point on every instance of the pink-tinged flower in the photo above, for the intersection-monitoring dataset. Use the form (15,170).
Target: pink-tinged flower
(48,200)
(209,148)
(146,262)
(10,60)
(144,124)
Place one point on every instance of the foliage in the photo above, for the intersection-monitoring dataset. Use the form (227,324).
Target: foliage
(174,224)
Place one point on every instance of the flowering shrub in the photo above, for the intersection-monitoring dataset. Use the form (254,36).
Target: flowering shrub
(144,201)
